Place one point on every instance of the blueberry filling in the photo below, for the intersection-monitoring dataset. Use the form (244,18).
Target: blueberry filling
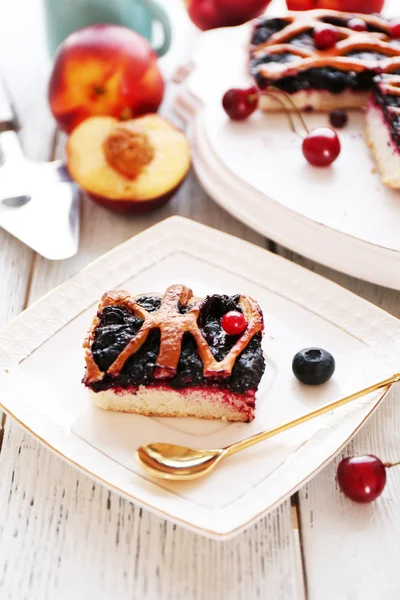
(303,40)
(366,55)
(118,326)
(336,21)
(385,102)
(343,23)
(265,28)
(149,303)
(324,78)
(262,59)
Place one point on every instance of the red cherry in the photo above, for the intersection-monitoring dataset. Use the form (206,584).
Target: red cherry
(357,24)
(240,104)
(395,31)
(361,478)
(325,36)
(233,322)
(321,146)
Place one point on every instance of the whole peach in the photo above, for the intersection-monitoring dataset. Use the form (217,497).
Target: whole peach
(209,14)
(104,70)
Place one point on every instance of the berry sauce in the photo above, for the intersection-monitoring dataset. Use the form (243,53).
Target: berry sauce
(118,325)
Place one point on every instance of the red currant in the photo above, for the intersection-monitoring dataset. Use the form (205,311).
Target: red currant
(357,24)
(395,31)
(233,322)
(240,104)
(321,146)
(361,478)
(325,36)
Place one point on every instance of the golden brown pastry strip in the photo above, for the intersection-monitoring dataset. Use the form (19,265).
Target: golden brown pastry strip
(390,84)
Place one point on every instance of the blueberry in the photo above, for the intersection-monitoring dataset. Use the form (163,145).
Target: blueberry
(313,366)
(338,118)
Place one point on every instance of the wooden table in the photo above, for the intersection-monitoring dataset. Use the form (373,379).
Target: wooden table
(63,536)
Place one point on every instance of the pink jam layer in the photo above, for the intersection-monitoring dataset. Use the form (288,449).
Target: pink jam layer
(240,402)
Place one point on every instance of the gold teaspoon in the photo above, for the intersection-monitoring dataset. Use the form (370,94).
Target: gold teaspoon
(180,463)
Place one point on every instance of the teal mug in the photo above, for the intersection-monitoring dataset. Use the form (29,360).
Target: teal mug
(66,16)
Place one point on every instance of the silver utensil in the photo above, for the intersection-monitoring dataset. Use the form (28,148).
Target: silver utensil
(39,204)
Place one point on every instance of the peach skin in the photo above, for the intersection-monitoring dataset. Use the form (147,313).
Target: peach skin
(104,70)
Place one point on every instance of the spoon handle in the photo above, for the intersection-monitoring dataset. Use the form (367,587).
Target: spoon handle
(265,435)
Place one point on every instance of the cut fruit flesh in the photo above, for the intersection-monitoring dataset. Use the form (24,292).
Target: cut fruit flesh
(89,167)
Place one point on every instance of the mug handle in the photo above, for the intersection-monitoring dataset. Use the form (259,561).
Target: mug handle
(159,14)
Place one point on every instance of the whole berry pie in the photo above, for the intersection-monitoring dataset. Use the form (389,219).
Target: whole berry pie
(324,59)
(176,355)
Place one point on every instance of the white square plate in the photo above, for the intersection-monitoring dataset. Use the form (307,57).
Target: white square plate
(41,367)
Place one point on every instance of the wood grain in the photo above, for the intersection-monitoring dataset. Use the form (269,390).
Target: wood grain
(64,536)
(27,88)
(351,551)
(76,526)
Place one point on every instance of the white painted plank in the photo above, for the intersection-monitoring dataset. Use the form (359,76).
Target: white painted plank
(266,556)
(64,537)
(102,229)
(111,547)
(15,266)
(22,41)
(25,67)
(351,551)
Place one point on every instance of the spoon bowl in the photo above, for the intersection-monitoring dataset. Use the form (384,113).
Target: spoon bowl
(177,462)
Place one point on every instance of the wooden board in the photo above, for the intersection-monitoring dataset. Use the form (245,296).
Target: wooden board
(350,550)
(63,537)
(151,551)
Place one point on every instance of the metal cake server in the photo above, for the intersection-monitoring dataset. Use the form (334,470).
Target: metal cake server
(39,204)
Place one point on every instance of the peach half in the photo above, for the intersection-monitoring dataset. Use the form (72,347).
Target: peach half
(128,166)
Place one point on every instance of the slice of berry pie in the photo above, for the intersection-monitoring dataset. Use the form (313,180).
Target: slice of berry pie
(383,127)
(176,355)
(324,59)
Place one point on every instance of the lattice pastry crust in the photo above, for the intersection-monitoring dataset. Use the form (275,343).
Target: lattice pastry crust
(349,41)
(172,325)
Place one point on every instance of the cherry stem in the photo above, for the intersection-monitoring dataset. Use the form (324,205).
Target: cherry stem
(390,465)
(277,94)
